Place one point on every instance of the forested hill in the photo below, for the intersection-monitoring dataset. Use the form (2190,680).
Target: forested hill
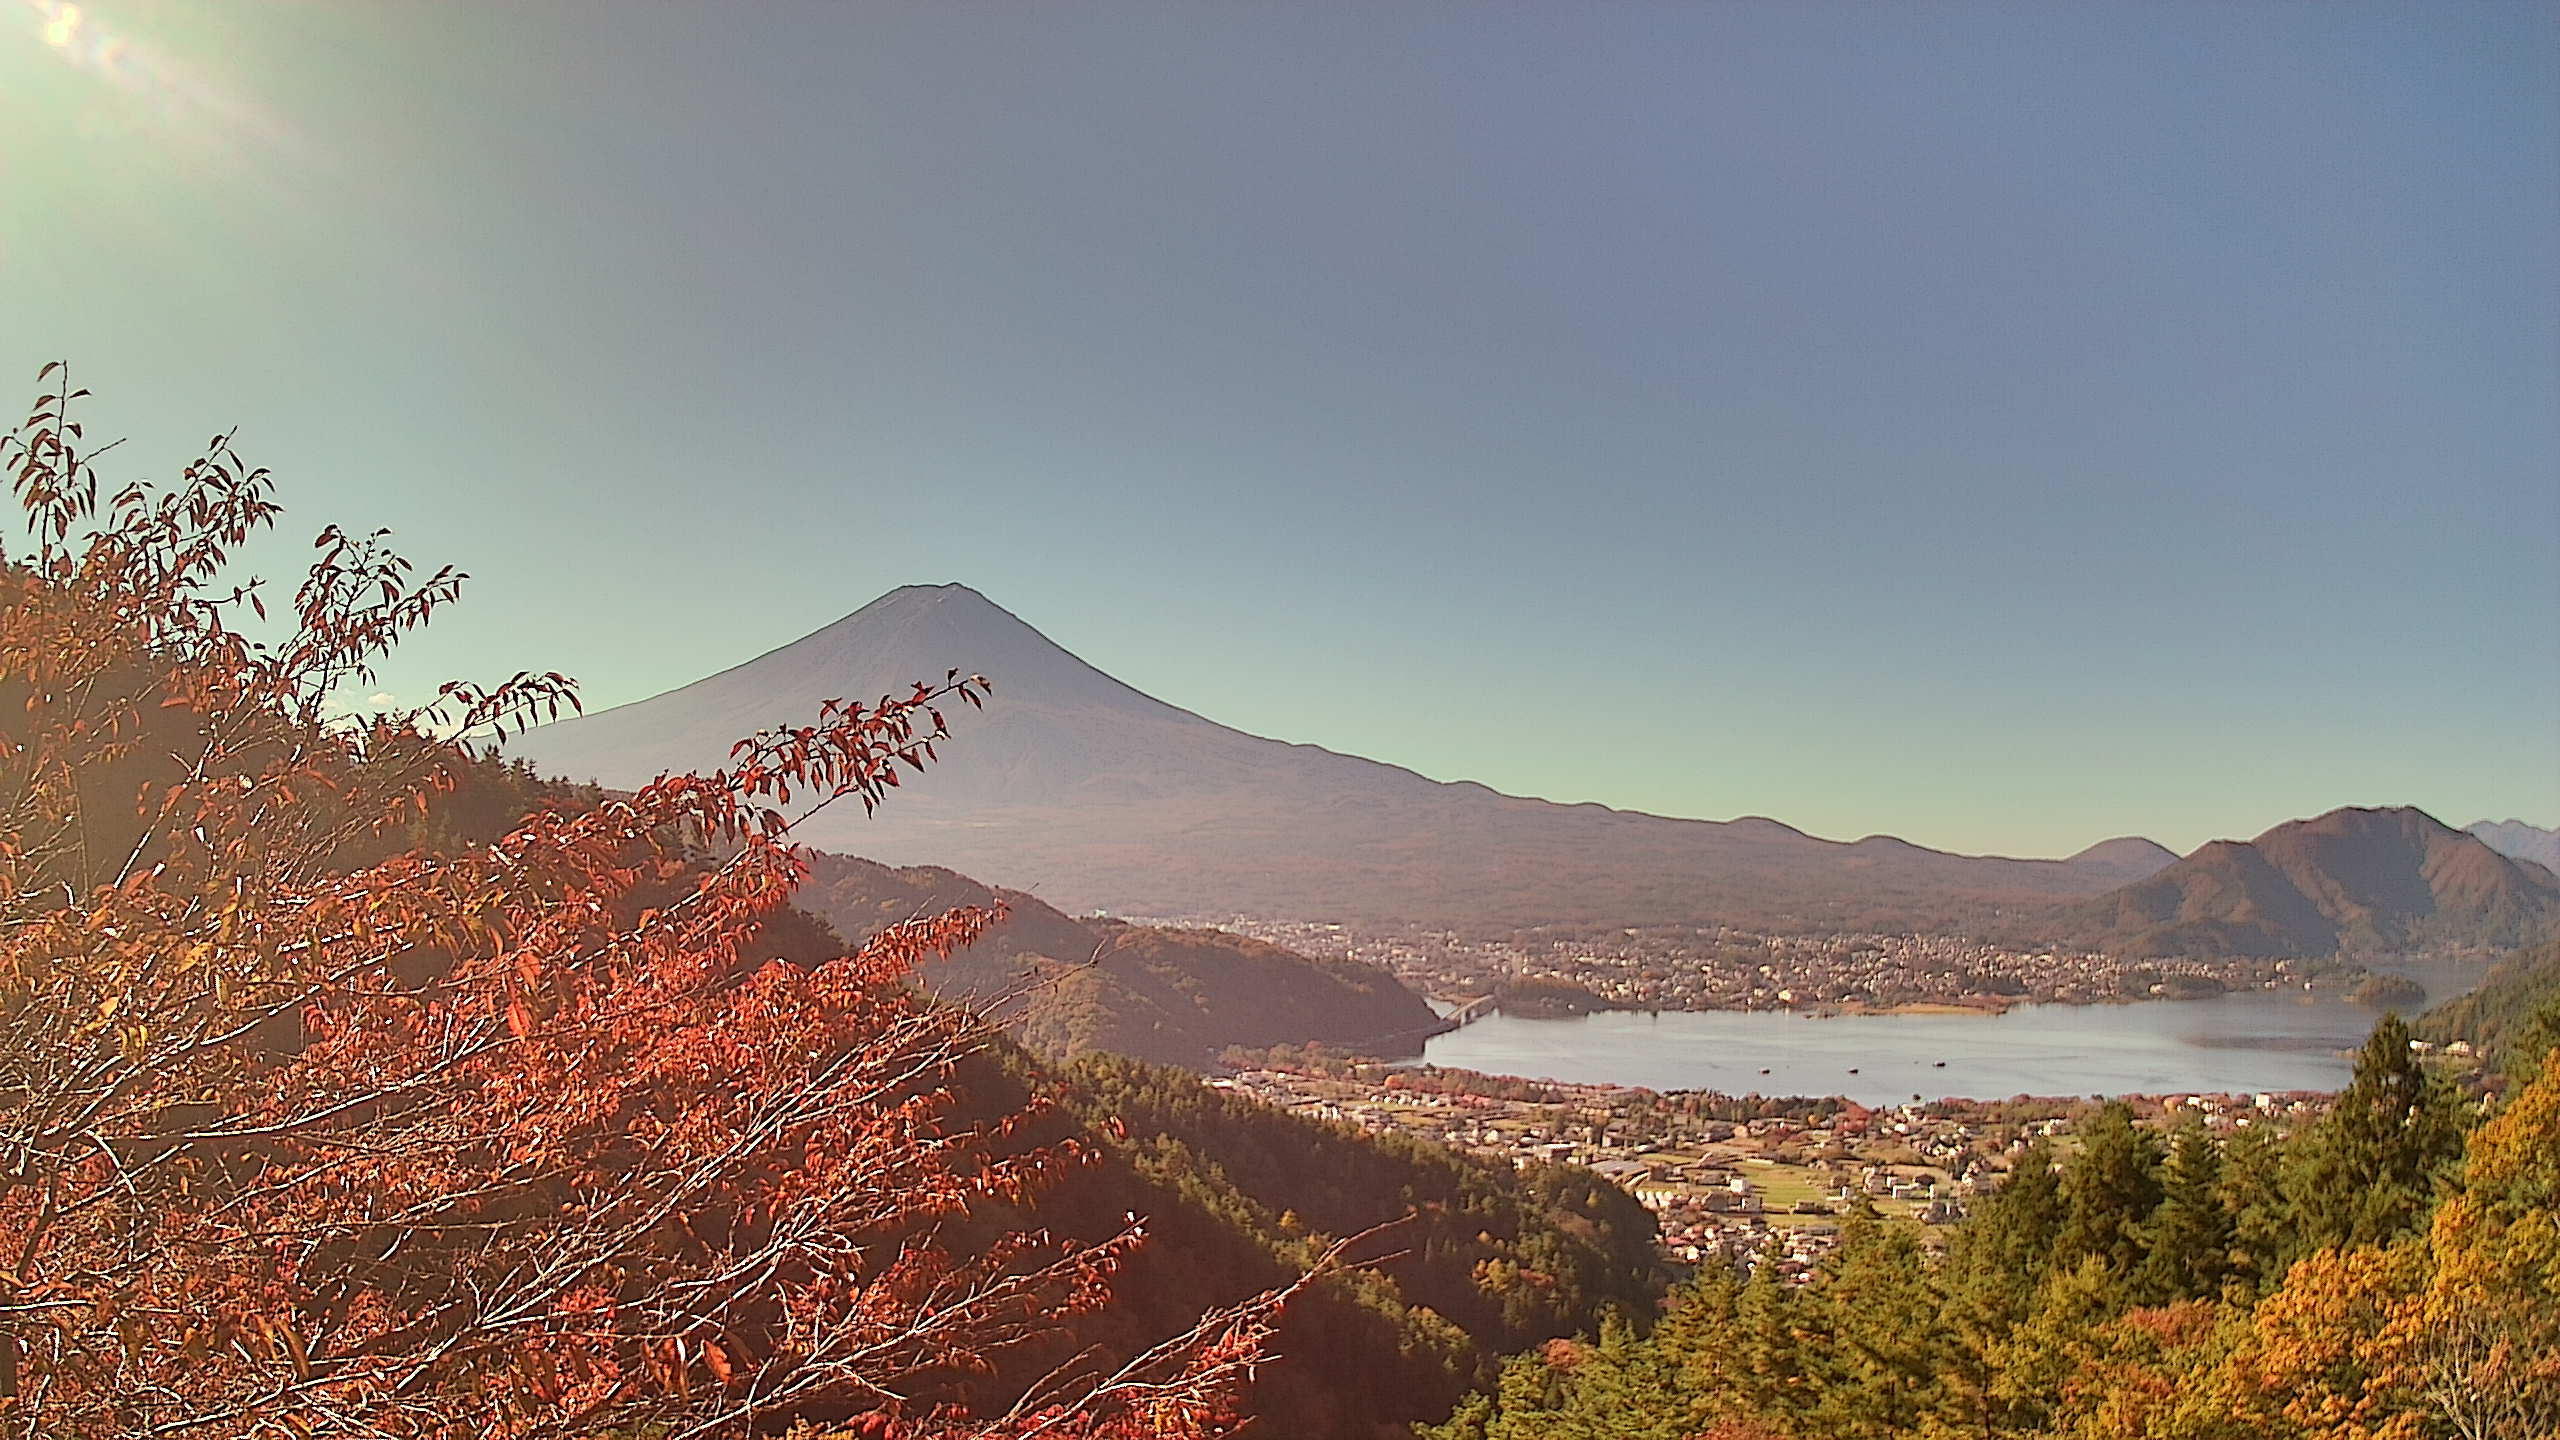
(2505,1004)
(1480,1258)
(2354,880)
(1174,996)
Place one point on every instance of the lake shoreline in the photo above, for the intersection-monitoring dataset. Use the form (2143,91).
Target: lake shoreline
(2383,986)
(1982,1005)
(2247,1042)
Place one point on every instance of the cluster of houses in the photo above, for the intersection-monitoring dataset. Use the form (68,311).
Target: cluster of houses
(1713,1209)
(1770,1188)
(1703,1193)
(1731,969)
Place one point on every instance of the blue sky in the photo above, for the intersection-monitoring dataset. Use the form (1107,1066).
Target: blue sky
(2004,426)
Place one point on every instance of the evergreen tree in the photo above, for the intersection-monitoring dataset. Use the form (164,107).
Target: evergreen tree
(2190,1234)
(1530,1393)
(2367,1172)
(2037,1361)
(1770,1348)
(1887,1349)
(2110,1188)
(2003,1250)
(1623,1389)
(1697,1334)
(1472,1420)
(2252,1194)
(1995,1263)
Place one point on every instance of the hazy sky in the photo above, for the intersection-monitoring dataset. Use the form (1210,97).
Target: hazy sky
(2004,426)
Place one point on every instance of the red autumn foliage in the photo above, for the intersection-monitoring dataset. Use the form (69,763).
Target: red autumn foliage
(300,1135)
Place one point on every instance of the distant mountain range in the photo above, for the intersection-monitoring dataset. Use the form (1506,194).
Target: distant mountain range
(2517,840)
(2353,881)
(1094,796)
(1072,987)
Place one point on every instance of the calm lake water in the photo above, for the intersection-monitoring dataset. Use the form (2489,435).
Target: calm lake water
(2249,1042)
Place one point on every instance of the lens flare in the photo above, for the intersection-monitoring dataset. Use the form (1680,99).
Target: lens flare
(148,90)
(75,33)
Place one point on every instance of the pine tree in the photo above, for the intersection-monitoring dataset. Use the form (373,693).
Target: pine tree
(1624,1388)
(1994,1266)
(2034,1364)
(1696,1336)
(1771,1353)
(1887,1347)
(2007,1244)
(2252,1194)
(2367,1172)
(2190,1234)
(2111,1188)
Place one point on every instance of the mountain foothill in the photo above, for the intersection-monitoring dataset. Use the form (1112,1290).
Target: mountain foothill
(1070,987)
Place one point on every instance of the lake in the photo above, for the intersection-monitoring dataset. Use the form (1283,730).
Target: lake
(2243,1043)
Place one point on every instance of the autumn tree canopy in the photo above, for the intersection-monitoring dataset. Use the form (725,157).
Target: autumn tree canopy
(307,1130)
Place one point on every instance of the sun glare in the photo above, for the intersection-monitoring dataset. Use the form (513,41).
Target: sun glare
(155,92)
(75,32)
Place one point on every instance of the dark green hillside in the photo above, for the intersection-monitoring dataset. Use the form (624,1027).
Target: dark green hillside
(1176,996)
(2504,1005)
(1239,1195)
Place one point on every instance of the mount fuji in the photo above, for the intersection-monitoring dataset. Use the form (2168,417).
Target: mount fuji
(1092,795)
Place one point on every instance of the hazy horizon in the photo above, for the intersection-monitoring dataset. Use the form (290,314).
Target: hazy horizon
(745,661)
(2005,429)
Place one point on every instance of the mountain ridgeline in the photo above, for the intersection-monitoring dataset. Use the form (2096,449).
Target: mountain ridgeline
(2353,881)
(1070,987)
(2517,840)
(1094,796)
